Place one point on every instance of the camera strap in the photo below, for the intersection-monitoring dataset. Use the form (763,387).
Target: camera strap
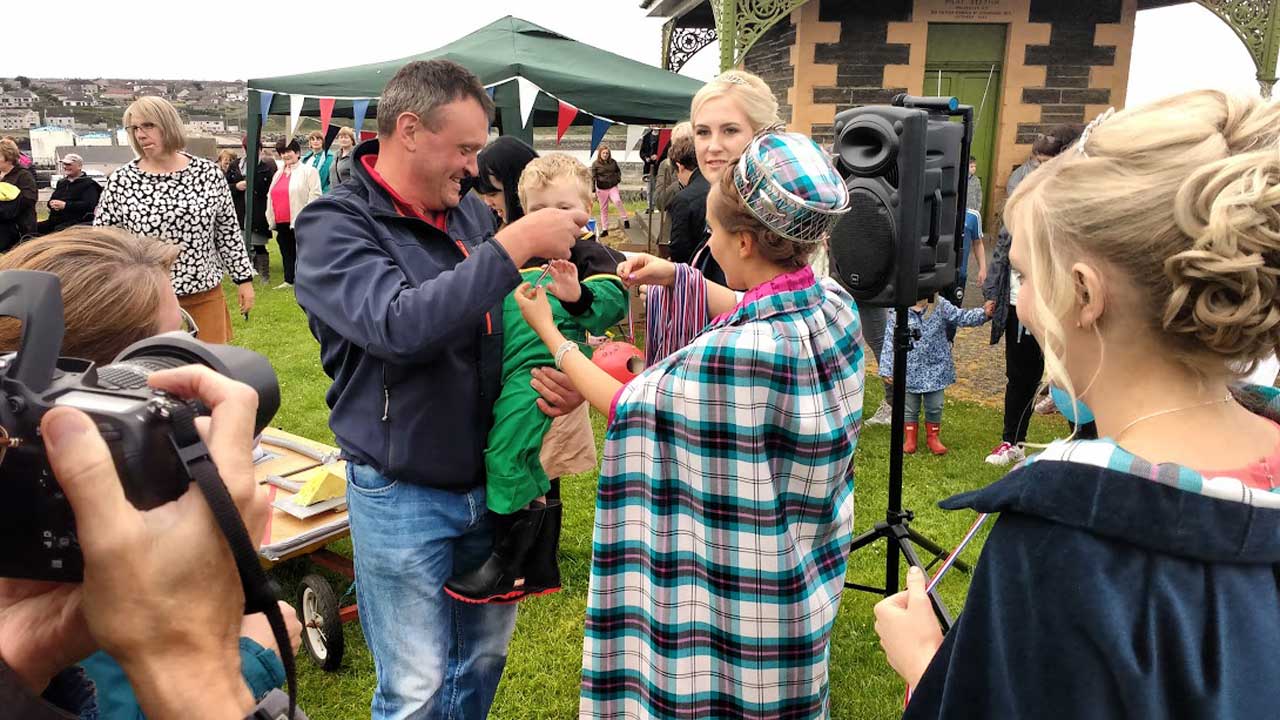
(259,591)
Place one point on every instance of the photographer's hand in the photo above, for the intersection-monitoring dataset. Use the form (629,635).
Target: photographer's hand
(161,593)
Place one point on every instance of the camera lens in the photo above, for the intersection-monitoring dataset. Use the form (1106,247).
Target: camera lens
(178,349)
(133,374)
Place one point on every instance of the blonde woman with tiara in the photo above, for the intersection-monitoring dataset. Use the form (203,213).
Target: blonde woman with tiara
(724,116)
(1134,576)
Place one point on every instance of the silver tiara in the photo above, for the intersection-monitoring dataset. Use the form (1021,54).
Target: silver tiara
(1084,136)
(735,79)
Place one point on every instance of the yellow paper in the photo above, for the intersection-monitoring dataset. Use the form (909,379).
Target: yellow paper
(318,484)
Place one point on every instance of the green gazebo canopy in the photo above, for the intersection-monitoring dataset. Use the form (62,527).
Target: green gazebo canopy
(593,80)
(597,82)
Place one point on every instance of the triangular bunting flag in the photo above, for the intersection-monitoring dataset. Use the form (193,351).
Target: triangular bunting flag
(490,90)
(528,93)
(359,108)
(599,127)
(635,133)
(564,119)
(664,137)
(266,104)
(295,111)
(326,113)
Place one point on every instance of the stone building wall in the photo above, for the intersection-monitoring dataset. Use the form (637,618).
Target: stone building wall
(770,58)
(1065,61)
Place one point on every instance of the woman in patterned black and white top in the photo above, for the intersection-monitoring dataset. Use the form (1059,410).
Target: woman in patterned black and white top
(178,198)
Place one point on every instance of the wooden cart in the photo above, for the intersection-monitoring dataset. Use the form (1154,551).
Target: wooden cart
(287,537)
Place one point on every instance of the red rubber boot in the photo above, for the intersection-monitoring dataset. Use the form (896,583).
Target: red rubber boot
(933,439)
(913,432)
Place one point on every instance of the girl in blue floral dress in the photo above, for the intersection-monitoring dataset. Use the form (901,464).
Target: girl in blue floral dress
(930,367)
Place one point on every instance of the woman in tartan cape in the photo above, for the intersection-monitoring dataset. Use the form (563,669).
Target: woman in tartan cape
(725,506)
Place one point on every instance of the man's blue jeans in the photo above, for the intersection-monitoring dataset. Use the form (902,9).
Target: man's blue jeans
(435,657)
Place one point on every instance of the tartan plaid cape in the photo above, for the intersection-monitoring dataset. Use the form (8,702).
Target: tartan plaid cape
(725,513)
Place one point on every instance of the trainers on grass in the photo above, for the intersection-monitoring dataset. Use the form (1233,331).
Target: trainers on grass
(1046,406)
(883,416)
(1005,454)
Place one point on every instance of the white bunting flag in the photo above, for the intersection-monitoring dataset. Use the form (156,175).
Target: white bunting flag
(528,94)
(635,133)
(295,111)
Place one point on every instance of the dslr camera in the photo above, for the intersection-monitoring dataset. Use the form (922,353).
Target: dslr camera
(148,431)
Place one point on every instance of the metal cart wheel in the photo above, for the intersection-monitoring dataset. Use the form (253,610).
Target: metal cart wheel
(321,624)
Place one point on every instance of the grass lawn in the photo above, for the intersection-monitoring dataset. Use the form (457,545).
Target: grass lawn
(541,679)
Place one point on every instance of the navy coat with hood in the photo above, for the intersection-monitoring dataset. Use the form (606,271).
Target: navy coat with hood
(409,319)
(1111,588)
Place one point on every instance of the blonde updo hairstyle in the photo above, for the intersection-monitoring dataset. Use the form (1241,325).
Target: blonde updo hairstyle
(747,90)
(1182,199)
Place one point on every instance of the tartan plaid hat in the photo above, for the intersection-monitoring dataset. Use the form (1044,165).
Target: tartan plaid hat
(789,184)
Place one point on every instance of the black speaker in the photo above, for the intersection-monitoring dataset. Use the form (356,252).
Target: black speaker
(903,168)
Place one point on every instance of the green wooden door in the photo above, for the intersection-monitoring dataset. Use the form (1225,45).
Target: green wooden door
(965,61)
(970,87)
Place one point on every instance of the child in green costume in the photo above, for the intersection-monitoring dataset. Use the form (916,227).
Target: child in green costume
(586,297)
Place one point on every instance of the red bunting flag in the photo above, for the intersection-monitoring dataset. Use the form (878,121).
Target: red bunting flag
(564,119)
(326,113)
(664,137)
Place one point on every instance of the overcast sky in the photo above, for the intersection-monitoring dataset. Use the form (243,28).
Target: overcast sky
(1176,48)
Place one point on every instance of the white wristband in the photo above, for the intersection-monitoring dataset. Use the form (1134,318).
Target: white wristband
(563,350)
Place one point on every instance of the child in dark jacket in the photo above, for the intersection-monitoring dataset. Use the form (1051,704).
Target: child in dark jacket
(588,297)
(930,367)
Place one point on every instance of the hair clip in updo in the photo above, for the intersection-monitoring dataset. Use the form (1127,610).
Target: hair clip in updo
(1084,136)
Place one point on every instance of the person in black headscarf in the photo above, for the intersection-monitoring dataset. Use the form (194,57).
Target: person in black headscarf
(500,164)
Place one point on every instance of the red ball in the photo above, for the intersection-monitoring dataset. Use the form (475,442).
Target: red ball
(621,360)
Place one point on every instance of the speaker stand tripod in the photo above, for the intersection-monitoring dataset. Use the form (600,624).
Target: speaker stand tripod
(896,528)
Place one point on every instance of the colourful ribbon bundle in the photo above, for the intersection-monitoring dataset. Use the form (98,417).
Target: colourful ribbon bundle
(675,315)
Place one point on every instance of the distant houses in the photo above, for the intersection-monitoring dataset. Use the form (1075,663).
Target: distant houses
(17,99)
(156,90)
(18,119)
(117,94)
(206,124)
(72,112)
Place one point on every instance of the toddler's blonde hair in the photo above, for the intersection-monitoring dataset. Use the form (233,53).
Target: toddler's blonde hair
(542,171)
